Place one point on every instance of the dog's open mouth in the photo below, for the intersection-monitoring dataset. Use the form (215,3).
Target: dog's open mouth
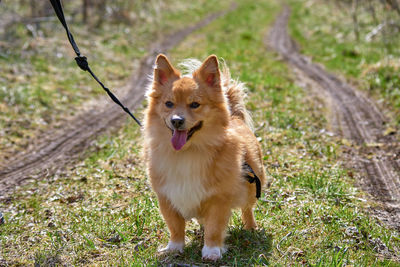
(179,138)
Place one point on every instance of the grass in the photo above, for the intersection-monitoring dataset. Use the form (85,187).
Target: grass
(102,210)
(325,31)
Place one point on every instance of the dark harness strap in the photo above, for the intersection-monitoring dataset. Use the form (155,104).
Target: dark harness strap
(251,177)
(82,60)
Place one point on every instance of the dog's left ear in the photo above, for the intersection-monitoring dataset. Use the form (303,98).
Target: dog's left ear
(209,72)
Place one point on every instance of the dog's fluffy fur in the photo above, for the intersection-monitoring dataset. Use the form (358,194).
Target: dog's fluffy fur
(197,135)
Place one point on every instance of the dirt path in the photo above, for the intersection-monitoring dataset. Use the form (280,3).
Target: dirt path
(58,147)
(357,119)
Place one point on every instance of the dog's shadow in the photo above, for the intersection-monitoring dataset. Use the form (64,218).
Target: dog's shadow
(245,248)
(248,246)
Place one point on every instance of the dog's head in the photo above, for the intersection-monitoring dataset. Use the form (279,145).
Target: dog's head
(192,108)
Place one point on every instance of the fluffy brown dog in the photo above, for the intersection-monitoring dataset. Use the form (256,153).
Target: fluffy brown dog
(197,137)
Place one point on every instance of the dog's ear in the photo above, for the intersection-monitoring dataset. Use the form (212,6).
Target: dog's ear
(164,73)
(209,72)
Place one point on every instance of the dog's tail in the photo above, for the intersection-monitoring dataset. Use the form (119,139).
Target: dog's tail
(235,92)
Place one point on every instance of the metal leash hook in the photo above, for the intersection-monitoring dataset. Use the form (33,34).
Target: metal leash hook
(82,60)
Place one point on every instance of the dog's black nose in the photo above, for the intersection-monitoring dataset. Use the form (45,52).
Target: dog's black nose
(177,121)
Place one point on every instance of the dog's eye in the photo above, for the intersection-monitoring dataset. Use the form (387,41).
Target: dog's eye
(194,105)
(169,104)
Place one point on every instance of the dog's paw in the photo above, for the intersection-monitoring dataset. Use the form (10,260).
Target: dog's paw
(173,247)
(212,253)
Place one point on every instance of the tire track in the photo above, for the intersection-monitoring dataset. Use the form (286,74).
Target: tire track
(59,147)
(356,118)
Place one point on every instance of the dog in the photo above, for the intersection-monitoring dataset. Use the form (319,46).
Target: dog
(197,136)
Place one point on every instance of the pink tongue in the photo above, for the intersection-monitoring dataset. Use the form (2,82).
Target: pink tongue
(179,139)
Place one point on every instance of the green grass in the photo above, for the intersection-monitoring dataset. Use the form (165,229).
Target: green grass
(102,210)
(325,31)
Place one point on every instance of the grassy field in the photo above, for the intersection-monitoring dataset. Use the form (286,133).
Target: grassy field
(326,32)
(103,212)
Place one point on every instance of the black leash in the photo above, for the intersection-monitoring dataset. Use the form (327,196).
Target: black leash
(251,177)
(82,60)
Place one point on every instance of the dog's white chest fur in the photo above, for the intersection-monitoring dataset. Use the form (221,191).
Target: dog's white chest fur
(183,178)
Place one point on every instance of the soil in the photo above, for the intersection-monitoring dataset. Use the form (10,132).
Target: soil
(62,146)
(372,151)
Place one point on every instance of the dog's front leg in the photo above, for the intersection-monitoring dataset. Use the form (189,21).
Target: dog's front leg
(216,216)
(176,226)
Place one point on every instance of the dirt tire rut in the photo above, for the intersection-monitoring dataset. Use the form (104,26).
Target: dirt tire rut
(354,117)
(56,148)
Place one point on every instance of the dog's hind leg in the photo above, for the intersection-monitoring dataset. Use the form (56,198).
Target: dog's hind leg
(248,218)
(176,226)
(247,211)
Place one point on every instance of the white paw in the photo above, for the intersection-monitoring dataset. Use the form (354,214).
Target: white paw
(212,253)
(173,247)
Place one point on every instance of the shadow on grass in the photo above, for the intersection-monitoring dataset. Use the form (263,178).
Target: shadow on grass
(244,248)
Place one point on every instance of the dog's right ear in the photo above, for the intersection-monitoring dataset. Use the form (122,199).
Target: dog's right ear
(164,73)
